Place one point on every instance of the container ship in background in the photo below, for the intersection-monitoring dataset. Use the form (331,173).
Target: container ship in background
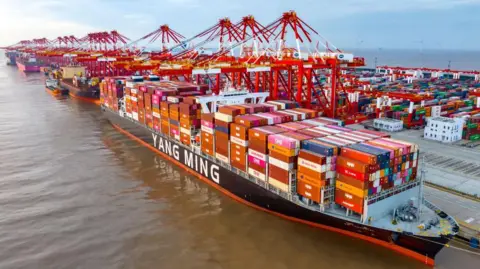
(28,63)
(285,160)
(11,57)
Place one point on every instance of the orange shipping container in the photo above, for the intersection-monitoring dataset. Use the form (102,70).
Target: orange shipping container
(237,149)
(251,121)
(358,155)
(207,146)
(353,164)
(239,131)
(283,158)
(185,139)
(165,127)
(349,201)
(210,117)
(258,146)
(350,189)
(312,157)
(238,164)
(311,174)
(363,185)
(207,137)
(310,190)
(231,110)
(320,179)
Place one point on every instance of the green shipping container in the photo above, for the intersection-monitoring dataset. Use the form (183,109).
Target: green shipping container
(475,137)
(472,125)
(397,108)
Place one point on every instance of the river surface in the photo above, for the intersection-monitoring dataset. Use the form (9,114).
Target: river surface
(75,193)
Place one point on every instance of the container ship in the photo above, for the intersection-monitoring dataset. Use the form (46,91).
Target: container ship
(28,64)
(285,160)
(11,57)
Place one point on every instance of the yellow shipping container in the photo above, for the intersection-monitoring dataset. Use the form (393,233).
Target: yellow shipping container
(351,189)
(70,71)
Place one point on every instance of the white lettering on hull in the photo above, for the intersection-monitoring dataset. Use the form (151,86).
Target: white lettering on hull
(193,161)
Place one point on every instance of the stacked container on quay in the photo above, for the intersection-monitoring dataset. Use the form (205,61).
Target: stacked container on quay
(285,160)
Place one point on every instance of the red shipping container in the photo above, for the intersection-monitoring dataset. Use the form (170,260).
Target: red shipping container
(257,167)
(278,174)
(348,172)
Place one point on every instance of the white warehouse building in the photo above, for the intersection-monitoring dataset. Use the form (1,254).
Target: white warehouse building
(444,129)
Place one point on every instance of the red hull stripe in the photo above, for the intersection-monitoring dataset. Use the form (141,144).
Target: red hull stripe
(404,251)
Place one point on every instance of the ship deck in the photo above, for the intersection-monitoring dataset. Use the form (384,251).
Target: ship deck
(443,226)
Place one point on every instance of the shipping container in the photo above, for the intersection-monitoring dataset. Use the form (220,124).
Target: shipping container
(349,201)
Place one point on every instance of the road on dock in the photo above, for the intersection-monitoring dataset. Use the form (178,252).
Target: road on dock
(464,210)
(448,165)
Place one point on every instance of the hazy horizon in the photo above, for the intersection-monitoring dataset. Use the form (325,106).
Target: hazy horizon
(366,24)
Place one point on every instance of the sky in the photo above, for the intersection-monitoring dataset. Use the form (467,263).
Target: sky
(354,24)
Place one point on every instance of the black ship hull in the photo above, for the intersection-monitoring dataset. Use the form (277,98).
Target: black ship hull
(86,94)
(242,189)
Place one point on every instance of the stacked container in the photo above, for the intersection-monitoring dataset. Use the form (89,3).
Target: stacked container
(174,120)
(258,150)
(141,106)
(369,168)
(164,117)
(148,109)
(223,118)
(239,139)
(316,168)
(190,121)
(207,142)
(282,164)
(156,112)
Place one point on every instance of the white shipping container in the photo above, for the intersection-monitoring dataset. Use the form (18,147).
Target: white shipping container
(444,129)
(436,110)
(387,124)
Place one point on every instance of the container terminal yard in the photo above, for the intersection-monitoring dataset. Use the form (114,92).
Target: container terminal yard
(278,118)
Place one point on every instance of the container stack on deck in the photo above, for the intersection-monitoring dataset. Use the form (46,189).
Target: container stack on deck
(207,141)
(289,149)
(369,168)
